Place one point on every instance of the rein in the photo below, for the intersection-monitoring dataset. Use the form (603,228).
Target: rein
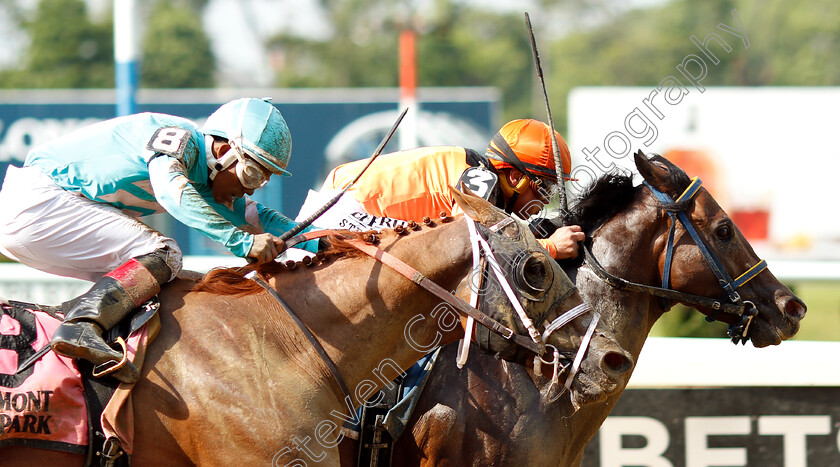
(408,272)
(418,278)
(743,309)
(534,342)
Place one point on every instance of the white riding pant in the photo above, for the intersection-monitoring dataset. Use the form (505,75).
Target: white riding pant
(57,231)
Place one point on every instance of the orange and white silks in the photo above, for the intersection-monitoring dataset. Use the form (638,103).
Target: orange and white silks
(406,185)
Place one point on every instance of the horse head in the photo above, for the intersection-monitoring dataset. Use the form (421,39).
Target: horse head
(715,254)
(546,294)
(674,233)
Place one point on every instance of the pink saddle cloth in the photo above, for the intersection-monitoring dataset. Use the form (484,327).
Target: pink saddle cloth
(44,406)
(46,402)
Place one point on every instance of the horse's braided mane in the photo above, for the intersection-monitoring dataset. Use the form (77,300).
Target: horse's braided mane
(232,281)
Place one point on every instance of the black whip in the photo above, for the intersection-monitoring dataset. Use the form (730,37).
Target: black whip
(558,163)
(309,220)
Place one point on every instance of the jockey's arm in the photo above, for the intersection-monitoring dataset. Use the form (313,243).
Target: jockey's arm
(268,220)
(176,193)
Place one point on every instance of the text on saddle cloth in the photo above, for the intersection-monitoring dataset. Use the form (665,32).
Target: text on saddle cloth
(45,401)
(43,405)
(346,214)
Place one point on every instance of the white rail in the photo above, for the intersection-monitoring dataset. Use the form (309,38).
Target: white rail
(687,362)
(22,283)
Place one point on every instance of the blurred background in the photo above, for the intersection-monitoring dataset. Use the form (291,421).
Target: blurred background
(741,93)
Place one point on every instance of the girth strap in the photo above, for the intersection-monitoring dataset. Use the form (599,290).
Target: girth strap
(418,278)
(311,337)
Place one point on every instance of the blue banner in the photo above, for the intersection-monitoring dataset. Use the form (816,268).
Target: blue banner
(325,131)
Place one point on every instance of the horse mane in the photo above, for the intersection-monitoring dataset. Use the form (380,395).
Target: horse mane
(233,281)
(602,199)
(610,194)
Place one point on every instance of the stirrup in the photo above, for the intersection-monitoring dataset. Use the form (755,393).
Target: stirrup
(112,365)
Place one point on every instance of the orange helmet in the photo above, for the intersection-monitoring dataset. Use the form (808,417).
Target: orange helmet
(529,142)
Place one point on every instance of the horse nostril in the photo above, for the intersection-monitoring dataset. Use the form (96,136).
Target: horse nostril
(795,308)
(617,362)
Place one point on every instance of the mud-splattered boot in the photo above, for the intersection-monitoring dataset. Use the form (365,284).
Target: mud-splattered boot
(102,307)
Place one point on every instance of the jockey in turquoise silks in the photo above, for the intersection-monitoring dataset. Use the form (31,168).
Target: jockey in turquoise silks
(72,209)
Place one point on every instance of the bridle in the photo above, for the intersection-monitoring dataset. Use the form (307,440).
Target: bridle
(744,310)
(481,248)
(534,342)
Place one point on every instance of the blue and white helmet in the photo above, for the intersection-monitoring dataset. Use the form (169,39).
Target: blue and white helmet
(258,128)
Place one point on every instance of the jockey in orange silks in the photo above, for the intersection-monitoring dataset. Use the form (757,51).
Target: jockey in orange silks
(516,172)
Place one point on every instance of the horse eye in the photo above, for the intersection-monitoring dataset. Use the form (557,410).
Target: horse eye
(534,269)
(533,276)
(724,232)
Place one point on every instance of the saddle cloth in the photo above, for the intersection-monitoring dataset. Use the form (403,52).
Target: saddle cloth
(44,406)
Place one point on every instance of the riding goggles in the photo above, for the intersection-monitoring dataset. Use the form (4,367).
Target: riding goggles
(546,189)
(250,173)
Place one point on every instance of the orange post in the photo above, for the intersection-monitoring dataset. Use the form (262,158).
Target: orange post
(408,60)
(408,137)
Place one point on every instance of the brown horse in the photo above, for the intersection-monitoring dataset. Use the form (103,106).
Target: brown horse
(488,414)
(231,380)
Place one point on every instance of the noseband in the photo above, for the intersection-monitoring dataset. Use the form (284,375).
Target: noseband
(481,248)
(745,310)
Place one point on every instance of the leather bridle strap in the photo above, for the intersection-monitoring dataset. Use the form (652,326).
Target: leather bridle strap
(676,211)
(418,278)
(306,236)
(490,257)
(691,299)
(319,349)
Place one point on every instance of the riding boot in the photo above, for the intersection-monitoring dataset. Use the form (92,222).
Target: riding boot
(102,307)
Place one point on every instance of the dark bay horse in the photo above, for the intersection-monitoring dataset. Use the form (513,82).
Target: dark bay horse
(231,379)
(489,414)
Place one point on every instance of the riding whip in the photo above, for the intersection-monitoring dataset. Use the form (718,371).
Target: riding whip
(309,220)
(555,147)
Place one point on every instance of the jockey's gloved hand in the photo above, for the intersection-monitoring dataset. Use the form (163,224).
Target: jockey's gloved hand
(266,247)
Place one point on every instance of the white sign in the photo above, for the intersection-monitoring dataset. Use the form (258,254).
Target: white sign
(761,148)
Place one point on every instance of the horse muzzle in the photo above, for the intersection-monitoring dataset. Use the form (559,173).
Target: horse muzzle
(605,371)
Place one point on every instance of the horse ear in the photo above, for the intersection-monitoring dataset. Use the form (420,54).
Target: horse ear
(654,172)
(474,206)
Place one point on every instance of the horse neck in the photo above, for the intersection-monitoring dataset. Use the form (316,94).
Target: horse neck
(626,246)
(370,319)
